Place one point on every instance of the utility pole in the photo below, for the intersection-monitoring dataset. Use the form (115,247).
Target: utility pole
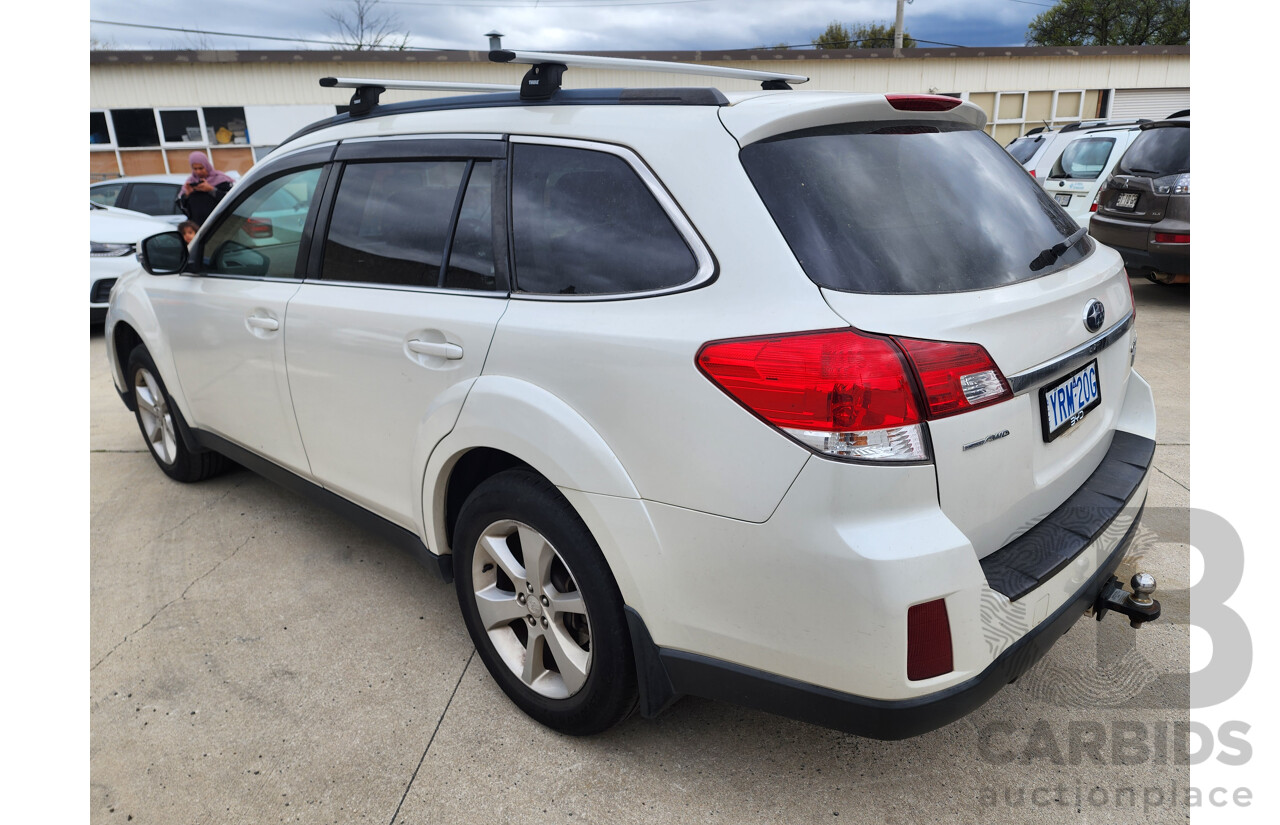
(897,31)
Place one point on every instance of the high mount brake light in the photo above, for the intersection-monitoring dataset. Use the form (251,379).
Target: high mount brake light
(848,394)
(922,103)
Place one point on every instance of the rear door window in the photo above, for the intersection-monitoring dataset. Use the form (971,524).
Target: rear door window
(1083,159)
(155,198)
(908,208)
(391,220)
(584,223)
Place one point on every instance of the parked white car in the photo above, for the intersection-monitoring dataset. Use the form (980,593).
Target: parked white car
(1079,162)
(113,246)
(810,401)
(155,195)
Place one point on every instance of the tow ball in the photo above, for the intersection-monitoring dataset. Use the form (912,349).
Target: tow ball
(1138,605)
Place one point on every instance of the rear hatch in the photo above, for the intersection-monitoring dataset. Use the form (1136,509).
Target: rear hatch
(927,229)
(1073,179)
(1157,165)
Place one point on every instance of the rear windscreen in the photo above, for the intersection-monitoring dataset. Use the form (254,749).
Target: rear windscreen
(1023,148)
(908,208)
(1157,152)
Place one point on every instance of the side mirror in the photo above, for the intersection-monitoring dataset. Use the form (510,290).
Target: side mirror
(163,254)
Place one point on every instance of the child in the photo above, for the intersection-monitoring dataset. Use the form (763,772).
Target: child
(188,230)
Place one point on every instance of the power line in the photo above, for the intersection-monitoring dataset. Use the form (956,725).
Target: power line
(253,36)
(543,4)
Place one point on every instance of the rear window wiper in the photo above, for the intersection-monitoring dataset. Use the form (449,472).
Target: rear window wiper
(1053,253)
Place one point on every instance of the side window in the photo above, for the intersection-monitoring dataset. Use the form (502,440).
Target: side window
(584,223)
(471,254)
(390,222)
(260,237)
(1083,159)
(106,194)
(155,198)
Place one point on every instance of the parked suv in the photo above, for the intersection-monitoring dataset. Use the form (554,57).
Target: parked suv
(1144,210)
(1078,162)
(810,401)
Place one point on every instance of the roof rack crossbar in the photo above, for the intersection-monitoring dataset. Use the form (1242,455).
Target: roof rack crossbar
(541,81)
(367,91)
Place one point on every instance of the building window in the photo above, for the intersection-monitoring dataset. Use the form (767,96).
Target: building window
(135,127)
(99,134)
(181,126)
(226,124)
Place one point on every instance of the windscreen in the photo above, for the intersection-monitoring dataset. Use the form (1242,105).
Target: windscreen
(909,208)
(1165,150)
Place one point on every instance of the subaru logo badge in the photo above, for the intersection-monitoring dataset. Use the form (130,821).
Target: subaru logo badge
(1094,314)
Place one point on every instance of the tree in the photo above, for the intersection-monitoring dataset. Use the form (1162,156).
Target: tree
(1113,23)
(362,27)
(861,36)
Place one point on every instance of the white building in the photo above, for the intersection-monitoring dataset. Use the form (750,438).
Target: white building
(149,109)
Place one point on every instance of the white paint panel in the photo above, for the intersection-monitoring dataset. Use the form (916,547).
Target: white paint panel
(1155,104)
(271,125)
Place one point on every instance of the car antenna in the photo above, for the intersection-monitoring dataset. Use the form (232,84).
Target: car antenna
(543,79)
(367,91)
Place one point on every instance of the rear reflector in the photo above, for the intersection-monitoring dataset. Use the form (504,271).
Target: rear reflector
(928,641)
(955,377)
(922,103)
(1168,237)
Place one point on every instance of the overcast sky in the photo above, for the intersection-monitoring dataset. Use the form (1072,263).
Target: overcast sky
(560,25)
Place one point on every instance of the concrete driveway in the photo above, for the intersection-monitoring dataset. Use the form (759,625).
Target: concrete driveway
(256,659)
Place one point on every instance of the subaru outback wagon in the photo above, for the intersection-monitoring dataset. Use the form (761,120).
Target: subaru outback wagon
(809,401)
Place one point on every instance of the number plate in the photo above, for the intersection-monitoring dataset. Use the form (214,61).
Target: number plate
(1063,199)
(1064,404)
(1126,200)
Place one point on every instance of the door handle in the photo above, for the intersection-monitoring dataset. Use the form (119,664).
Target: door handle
(261,322)
(452,352)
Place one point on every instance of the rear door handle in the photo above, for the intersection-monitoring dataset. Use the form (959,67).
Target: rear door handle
(451,352)
(262,322)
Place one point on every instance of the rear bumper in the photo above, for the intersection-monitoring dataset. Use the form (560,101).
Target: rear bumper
(1079,543)
(671,673)
(1135,241)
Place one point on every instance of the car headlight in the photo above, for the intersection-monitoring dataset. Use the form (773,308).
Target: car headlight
(109,250)
(1173,184)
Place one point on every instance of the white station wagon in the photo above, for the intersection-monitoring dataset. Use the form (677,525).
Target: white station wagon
(809,401)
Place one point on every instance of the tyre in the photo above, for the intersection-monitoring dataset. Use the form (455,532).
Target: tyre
(541,606)
(158,419)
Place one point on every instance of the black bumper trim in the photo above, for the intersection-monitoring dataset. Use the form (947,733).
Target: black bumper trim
(1038,554)
(671,673)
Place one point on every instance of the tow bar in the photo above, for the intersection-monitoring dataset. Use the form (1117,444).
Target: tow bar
(1138,605)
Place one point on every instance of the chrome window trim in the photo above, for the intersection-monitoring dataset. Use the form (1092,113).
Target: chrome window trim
(702,255)
(1027,379)
(315,280)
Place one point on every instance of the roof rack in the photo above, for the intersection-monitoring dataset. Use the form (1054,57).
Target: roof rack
(1100,124)
(542,81)
(367,91)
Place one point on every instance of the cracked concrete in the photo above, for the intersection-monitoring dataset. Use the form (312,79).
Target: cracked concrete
(256,659)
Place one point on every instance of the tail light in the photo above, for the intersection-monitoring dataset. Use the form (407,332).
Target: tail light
(928,641)
(848,394)
(1170,237)
(258,227)
(1033,172)
(922,103)
(1093,207)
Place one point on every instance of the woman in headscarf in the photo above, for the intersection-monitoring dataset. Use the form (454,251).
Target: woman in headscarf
(203,189)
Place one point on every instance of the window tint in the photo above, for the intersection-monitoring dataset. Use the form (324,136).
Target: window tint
(1083,159)
(258,238)
(105,194)
(585,224)
(390,221)
(907,208)
(155,198)
(471,254)
(1163,150)
(135,127)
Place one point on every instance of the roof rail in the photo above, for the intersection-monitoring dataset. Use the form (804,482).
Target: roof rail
(1100,124)
(367,91)
(542,81)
